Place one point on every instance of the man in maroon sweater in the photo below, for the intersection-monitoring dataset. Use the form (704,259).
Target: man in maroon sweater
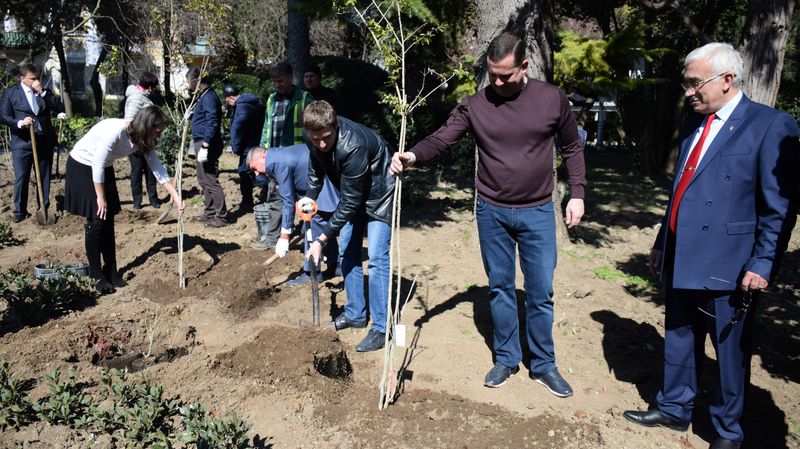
(516,122)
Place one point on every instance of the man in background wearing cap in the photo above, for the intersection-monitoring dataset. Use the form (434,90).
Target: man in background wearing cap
(246,123)
(312,80)
(282,128)
(207,140)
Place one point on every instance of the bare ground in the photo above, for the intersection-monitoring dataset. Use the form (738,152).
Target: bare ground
(232,338)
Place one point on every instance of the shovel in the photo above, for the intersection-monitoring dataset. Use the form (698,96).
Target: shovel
(41,213)
(306,217)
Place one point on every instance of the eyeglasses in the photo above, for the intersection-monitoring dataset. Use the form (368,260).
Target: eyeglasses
(741,309)
(695,85)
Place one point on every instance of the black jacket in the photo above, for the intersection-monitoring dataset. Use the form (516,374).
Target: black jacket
(359,168)
(246,123)
(206,121)
(14,107)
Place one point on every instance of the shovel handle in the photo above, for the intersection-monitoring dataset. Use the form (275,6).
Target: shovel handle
(36,169)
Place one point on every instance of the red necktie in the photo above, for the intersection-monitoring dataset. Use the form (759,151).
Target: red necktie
(688,171)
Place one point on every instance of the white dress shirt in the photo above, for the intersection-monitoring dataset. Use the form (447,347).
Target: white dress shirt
(106,142)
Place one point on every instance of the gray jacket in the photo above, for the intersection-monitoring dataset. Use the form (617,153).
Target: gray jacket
(135,100)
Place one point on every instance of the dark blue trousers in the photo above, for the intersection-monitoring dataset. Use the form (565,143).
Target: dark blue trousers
(22,160)
(690,316)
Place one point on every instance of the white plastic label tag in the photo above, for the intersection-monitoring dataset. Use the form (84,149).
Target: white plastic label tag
(400,335)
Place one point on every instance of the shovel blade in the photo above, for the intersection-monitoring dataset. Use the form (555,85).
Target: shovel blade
(41,218)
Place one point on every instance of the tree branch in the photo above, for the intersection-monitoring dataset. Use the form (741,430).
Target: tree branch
(675,5)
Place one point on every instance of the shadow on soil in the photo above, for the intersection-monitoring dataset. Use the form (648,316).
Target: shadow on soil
(618,196)
(481,316)
(633,352)
(168,245)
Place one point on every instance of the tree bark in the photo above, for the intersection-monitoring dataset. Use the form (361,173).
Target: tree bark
(66,87)
(763,47)
(94,82)
(298,42)
(531,19)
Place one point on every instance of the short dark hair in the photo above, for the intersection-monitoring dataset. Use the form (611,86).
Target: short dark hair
(230,91)
(148,80)
(139,129)
(319,115)
(281,68)
(194,74)
(505,44)
(26,68)
(313,68)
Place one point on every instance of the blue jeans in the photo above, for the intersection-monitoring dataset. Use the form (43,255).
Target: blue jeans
(501,231)
(379,236)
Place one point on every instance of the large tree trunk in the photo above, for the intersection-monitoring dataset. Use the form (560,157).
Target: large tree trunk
(298,42)
(766,32)
(531,19)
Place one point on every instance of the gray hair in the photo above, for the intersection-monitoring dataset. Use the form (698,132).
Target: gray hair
(722,57)
(253,152)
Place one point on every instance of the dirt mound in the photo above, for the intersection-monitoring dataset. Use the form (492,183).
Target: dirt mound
(292,357)
(455,421)
(237,279)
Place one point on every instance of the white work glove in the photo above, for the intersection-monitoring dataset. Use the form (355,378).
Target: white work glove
(61,116)
(306,204)
(282,247)
(202,155)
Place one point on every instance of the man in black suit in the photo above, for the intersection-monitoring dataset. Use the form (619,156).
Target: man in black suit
(23,106)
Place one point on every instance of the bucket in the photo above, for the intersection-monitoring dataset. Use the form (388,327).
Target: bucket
(78,269)
(41,271)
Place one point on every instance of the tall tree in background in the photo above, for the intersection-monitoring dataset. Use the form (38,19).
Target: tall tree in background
(298,43)
(532,19)
(764,39)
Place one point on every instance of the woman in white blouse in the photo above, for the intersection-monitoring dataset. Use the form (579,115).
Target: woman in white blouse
(91,189)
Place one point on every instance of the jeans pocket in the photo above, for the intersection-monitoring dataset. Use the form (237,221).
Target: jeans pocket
(480,204)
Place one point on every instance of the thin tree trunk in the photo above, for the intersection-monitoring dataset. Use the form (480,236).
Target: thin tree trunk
(66,88)
(94,82)
(765,35)
(298,42)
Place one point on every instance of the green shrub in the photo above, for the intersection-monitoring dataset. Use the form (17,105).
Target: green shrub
(76,127)
(260,86)
(7,235)
(67,403)
(212,433)
(169,144)
(15,409)
(33,301)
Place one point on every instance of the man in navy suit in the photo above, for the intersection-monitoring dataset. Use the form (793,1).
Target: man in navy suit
(21,107)
(730,214)
(288,166)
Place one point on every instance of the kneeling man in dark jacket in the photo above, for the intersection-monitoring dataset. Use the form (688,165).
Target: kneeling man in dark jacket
(356,160)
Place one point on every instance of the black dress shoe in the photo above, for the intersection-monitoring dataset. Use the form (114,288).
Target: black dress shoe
(653,418)
(342,322)
(372,342)
(722,443)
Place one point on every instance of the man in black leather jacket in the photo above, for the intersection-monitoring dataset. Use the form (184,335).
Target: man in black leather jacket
(356,160)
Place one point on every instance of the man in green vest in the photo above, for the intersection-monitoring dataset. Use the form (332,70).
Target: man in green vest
(283,127)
